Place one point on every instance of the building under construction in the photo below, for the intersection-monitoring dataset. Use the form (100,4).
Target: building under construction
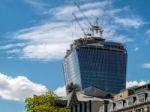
(94,61)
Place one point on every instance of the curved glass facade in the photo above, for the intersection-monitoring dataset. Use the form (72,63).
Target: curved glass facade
(102,68)
(102,64)
(71,69)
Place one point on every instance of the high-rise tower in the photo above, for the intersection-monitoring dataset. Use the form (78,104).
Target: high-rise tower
(93,61)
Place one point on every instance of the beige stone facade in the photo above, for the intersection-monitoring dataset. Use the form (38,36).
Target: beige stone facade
(122,95)
(138,101)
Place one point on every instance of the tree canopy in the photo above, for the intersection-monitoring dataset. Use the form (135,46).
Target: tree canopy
(44,103)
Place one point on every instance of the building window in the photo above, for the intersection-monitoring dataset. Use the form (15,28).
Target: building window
(130,101)
(148,109)
(140,110)
(141,98)
(146,96)
(87,107)
(110,107)
(83,107)
(124,103)
(74,108)
(78,108)
(134,99)
(71,109)
(119,104)
(114,106)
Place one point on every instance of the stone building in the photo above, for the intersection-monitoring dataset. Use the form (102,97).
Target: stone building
(88,100)
(137,101)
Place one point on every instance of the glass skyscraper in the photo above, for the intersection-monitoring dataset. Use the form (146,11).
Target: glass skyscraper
(96,62)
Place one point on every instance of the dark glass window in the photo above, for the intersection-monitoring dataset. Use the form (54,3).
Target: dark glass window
(103,68)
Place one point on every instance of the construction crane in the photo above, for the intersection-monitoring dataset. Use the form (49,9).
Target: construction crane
(78,6)
(95,29)
(77,20)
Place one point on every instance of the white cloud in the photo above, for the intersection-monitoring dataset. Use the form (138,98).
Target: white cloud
(38,5)
(11,46)
(13,51)
(50,39)
(130,22)
(135,83)
(121,38)
(47,41)
(19,88)
(89,9)
(60,91)
(136,49)
(148,32)
(146,65)
(44,51)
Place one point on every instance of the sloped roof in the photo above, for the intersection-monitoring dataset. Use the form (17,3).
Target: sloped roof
(96,92)
(83,97)
(88,94)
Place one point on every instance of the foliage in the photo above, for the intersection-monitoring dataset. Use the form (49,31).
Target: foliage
(43,103)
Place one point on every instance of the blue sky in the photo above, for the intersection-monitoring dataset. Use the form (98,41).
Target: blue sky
(34,35)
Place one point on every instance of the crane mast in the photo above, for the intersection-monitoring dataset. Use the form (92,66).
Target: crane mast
(96,30)
(78,6)
(77,20)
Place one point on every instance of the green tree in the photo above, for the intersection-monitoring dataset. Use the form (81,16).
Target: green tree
(44,103)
